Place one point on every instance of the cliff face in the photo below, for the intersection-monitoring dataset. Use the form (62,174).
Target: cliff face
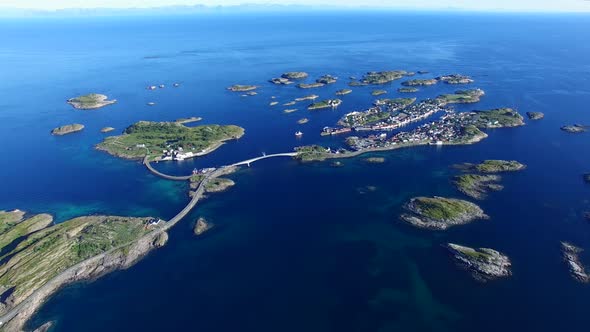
(87,270)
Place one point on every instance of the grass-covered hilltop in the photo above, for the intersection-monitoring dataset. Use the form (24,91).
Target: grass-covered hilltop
(90,101)
(493,166)
(39,257)
(146,137)
(461,97)
(476,185)
(440,213)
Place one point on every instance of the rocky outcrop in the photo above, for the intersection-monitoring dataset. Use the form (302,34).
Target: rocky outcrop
(67,129)
(107,129)
(202,226)
(484,264)
(575,129)
(535,115)
(90,101)
(571,256)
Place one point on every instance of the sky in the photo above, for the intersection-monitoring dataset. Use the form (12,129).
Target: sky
(479,5)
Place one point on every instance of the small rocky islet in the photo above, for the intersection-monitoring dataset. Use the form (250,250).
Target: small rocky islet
(574,129)
(202,226)
(105,130)
(67,129)
(90,101)
(535,115)
(571,256)
(440,213)
(492,166)
(484,264)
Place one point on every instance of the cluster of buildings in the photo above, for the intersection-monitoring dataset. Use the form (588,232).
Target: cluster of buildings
(177,154)
(447,130)
(379,119)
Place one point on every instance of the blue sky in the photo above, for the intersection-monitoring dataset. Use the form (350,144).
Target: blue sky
(484,5)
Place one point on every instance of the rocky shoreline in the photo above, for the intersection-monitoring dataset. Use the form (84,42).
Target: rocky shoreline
(439,213)
(484,264)
(571,256)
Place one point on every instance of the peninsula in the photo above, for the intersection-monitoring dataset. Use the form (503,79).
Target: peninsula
(90,101)
(67,129)
(168,140)
(484,264)
(40,257)
(439,213)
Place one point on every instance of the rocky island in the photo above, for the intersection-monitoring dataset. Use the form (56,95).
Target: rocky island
(378,92)
(535,115)
(202,226)
(407,90)
(575,129)
(303,121)
(343,92)
(493,166)
(168,140)
(484,264)
(41,257)
(439,213)
(420,82)
(90,101)
(327,79)
(107,130)
(242,88)
(455,79)
(310,85)
(477,186)
(571,256)
(295,75)
(461,97)
(67,129)
(382,77)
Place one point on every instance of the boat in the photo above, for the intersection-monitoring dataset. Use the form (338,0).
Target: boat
(298,134)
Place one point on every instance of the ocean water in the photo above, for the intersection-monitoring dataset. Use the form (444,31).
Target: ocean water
(303,246)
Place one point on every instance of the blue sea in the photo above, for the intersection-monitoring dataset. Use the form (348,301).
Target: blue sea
(304,247)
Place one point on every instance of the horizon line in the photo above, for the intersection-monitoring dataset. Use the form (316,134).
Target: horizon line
(253,7)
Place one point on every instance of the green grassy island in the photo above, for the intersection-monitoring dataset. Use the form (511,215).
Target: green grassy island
(378,92)
(327,79)
(439,213)
(90,101)
(484,264)
(146,137)
(36,251)
(67,129)
(242,88)
(311,153)
(395,103)
(477,186)
(461,97)
(498,118)
(310,85)
(420,82)
(328,103)
(382,77)
(493,166)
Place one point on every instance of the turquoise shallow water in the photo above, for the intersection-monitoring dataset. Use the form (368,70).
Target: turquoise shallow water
(303,247)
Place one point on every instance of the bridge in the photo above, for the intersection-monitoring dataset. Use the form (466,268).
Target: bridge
(266,156)
(247,162)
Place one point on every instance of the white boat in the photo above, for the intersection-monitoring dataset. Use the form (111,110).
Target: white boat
(298,134)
